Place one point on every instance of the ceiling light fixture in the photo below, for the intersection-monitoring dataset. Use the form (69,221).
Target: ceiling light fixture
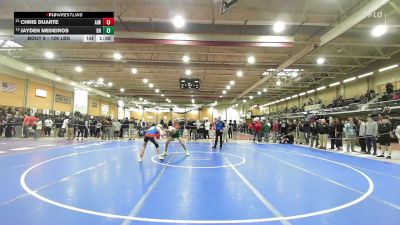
(334,84)
(278,27)
(29,68)
(186,59)
(78,69)
(349,79)
(320,60)
(188,72)
(122,89)
(239,73)
(110,84)
(117,56)
(134,70)
(178,21)
(145,81)
(251,59)
(379,30)
(259,92)
(388,68)
(224,92)
(151,85)
(264,90)
(366,75)
(49,55)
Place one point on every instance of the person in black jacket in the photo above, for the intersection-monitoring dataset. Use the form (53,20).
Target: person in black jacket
(81,128)
(332,134)
(384,130)
(314,134)
(306,131)
(323,133)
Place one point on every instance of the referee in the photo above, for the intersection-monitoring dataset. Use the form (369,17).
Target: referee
(219,130)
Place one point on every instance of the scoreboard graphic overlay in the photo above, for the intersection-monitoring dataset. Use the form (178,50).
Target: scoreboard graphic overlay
(64,26)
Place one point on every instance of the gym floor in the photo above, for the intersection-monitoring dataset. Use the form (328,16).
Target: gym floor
(103,183)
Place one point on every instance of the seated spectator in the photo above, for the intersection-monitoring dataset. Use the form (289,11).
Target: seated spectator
(287,139)
(389,88)
(396,96)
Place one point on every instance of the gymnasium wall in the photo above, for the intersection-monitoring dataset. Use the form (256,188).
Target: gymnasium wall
(16,99)
(12,99)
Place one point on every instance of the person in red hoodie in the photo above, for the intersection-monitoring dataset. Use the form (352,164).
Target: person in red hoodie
(275,130)
(26,126)
(257,125)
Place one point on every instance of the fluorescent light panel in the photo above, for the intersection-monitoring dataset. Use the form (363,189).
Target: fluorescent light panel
(350,79)
(388,68)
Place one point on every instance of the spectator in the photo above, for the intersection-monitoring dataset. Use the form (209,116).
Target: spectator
(323,134)
(26,126)
(397,132)
(48,124)
(384,131)
(207,127)
(371,132)
(361,135)
(314,134)
(350,134)
(38,128)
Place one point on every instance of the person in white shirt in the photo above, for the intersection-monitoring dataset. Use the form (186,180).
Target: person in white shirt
(207,127)
(361,135)
(38,130)
(397,132)
(64,126)
(48,124)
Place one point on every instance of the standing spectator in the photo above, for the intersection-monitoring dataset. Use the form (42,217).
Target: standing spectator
(32,122)
(107,129)
(371,132)
(57,127)
(275,130)
(361,135)
(332,134)
(384,131)
(323,134)
(398,133)
(257,130)
(48,124)
(350,134)
(313,134)
(230,129)
(81,128)
(235,130)
(266,130)
(116,126)
(26,126)
(71,128)
(38,128)
(99,126)
(18,125)
(64,127)
(125,127)
(219,129)
(207,127)
(92,127)
(2,125)
(339,135)
(9,126)
(225,133)
(306,132)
